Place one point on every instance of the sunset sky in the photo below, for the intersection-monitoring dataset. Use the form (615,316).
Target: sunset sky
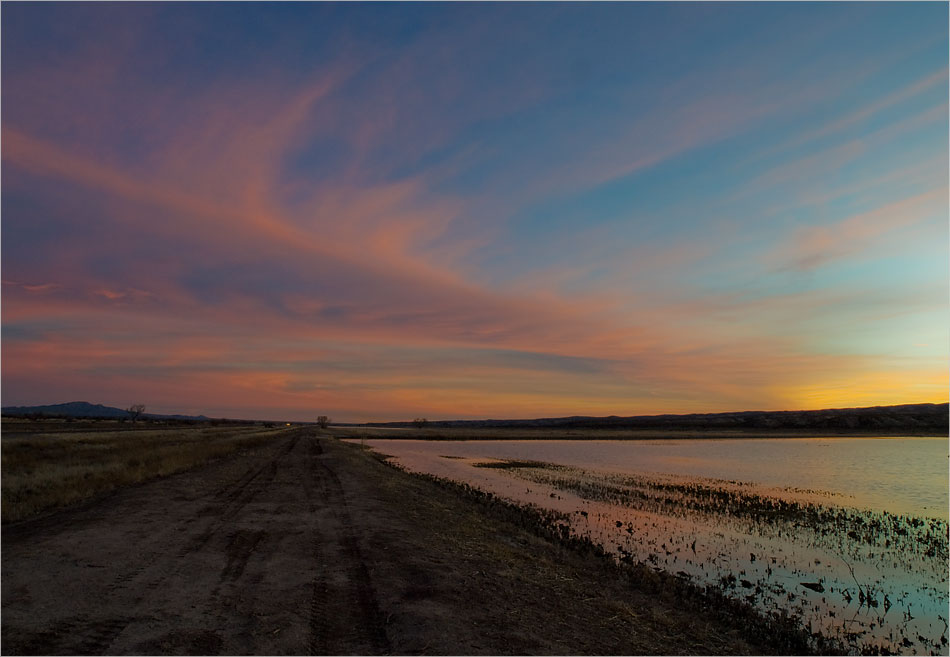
(383,211)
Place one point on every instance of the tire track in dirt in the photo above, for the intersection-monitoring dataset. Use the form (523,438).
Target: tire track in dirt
(98,636)
(77,635)
(85,634)
(214,570)
(344,610)
(234,497)
(230,501)
(240,546)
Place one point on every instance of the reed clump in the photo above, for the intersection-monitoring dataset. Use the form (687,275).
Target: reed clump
(920,536)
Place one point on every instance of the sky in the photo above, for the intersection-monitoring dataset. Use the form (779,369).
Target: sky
(465,210)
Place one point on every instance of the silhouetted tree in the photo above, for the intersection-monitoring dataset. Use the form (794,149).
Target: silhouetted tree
(420,422)
(323,421)
(135,410)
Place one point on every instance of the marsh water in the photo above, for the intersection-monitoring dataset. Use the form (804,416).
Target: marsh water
(848,534)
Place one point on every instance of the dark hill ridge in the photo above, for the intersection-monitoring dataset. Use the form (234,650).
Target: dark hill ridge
(919,419)
(912,419)
(87,410)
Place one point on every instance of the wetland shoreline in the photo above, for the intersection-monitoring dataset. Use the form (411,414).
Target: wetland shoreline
(781,632)
(308,545)
(872,581)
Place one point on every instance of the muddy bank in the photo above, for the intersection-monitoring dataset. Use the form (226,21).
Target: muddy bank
(309,546)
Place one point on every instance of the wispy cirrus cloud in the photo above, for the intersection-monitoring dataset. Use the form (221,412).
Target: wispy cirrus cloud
(815,246)
(933,81)
(345,228)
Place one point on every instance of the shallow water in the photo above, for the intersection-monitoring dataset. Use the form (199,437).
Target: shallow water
(758,518)
(899,475)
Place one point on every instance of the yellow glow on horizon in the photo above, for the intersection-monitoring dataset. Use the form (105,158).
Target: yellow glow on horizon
(886,388)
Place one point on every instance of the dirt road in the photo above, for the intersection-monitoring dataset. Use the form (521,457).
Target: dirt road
(309,546)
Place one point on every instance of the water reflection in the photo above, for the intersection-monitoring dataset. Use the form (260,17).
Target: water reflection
(875,579)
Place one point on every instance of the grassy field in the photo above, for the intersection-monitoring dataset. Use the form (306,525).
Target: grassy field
(47,465)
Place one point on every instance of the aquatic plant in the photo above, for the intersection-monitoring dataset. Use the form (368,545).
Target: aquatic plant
(801,525)
(782,552)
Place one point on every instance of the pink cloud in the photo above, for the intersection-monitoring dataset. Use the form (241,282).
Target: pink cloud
(907,92)
(295,269)
(815,246)
(37,288)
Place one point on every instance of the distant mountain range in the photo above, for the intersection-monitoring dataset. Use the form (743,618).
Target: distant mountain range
(87,410)
(926,419)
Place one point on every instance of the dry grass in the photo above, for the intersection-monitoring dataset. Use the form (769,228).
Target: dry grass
(58,466)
